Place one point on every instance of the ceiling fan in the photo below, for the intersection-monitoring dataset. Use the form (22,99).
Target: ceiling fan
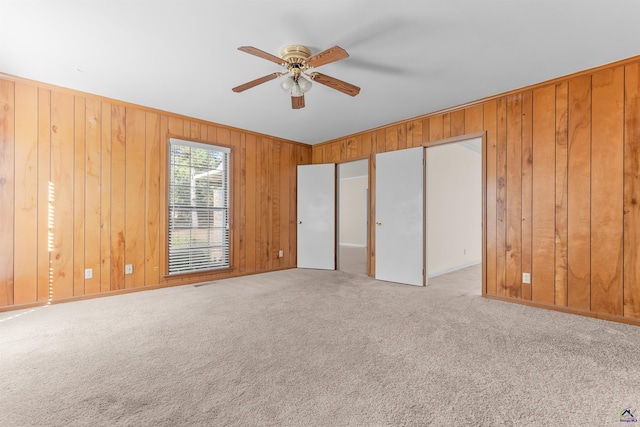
(297,60)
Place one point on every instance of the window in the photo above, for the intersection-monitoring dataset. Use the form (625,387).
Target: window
(198,207)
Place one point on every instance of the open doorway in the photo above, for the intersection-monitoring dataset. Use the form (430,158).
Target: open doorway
(353,215)
(454,213)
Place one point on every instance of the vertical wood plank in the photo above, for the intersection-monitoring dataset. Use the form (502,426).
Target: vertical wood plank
(105,199)
(544,188)
(579,194)
(436,128)
(607,196)
(62,175)
(514,196)
(457,123)
(285,198)
(391,139)
(501,198)
(92,209)
(401,131)
(250,199)
(152,202)
(364,148)
(415,128)
(265,204)
(7,192)
(490,119)
(317,154)
(118,159)
(561,268)
(473,120)
(527,187)
(164,194)
(426,131)
(79,177)
(176,126)
(44,179)
(241,194)
(26,194)
(135,197)
(632,192)
(335,152)
(446,125)
(236,146)
(274,184)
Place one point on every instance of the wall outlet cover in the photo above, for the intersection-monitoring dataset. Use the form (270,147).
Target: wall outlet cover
(88,273)
(128,269)
(281,253)
(526,278)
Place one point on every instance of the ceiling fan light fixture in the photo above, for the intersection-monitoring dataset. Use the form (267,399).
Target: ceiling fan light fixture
(287,83)
(305,85)
(296,90)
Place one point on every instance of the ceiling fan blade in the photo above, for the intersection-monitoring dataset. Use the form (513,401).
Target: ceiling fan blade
(336,84)
(332,54)
(256,82)
(297,102)
(262,54)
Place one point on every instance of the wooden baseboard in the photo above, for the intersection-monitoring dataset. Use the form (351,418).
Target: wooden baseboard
(125,291)
(601,316)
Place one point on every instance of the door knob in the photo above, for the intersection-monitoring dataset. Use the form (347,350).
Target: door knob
(378,223)
(299,222)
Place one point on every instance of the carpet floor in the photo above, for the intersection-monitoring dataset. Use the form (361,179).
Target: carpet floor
(314,348)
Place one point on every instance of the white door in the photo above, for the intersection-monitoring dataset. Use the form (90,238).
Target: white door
(400,216)
(317,216)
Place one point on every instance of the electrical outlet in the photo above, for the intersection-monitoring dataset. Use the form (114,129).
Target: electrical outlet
(526,278)
(128,269)
(281,253)
(88,273)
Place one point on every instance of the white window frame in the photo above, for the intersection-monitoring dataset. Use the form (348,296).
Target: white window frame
(194,246)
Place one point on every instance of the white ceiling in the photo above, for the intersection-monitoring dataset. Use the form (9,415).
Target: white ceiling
(409,57)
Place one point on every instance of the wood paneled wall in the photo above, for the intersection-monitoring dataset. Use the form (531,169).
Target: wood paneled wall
(562,186)
(82,185)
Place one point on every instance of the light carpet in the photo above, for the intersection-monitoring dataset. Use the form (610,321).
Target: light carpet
(314,348)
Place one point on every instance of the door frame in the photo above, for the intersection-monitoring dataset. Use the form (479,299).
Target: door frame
(483,136)
(370,208)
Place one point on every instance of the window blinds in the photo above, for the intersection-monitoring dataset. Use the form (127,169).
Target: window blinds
(198,207)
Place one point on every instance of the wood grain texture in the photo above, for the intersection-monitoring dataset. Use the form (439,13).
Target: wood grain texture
(436,130)
(632,192)
(458,123)
(607,171)
(527,187)
(44,179)
(234,178)
(473,119)
(118,203)
(251,196)
(446,125)
(501,198)
(92,207)
(579,194)
(391,139)
(62,171)
(514,197)
(26,194)
(79,173)
(152,208)
(135,196)
(544,188)
(562,93)
(7,182)
(105,199)
(490,118)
